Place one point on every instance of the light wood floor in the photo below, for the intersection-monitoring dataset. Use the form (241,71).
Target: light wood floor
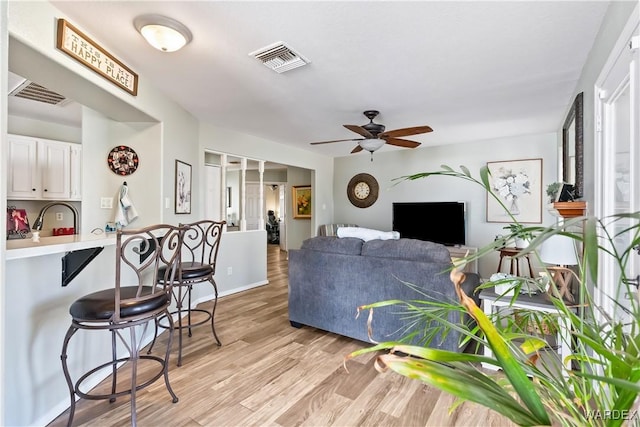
(268,373)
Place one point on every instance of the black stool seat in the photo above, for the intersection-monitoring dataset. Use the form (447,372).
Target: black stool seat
(101,305)
(192,271)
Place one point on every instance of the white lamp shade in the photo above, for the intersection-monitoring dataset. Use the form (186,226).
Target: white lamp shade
(559,250)
(165,34)
(371,144)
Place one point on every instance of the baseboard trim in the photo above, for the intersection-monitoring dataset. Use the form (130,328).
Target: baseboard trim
(229,292)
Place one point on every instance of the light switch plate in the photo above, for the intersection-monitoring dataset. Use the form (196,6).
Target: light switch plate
(106,202)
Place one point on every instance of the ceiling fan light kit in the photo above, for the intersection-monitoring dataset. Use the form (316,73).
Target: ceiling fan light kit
(371,145)
(163,33)
(374,135)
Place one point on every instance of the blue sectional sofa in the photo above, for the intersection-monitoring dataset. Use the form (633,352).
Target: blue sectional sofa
(330,277)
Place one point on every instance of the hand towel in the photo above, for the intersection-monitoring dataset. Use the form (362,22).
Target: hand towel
(125,210)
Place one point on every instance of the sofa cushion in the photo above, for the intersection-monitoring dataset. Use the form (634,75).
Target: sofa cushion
(409,249)
(346,246)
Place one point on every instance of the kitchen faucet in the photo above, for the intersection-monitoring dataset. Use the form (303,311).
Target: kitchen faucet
(37,225)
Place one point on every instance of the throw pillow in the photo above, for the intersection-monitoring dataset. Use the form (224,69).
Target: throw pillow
(367,234)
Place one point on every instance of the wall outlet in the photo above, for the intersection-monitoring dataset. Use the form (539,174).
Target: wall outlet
(106,202)
(229,271)
(59,216)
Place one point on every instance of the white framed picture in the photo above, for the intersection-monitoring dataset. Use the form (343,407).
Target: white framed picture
(518,186)
(183,187)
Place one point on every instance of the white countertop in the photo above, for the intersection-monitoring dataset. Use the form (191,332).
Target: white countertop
(26,248)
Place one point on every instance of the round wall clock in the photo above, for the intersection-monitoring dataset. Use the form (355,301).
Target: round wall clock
(123,160)
(362,190)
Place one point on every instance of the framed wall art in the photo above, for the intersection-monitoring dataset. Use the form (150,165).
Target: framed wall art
(183,187)
(518,185)
(302,201)
(123,160)
(17,223)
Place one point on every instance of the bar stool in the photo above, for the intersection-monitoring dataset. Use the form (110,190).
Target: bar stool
(200,245)
(141,255)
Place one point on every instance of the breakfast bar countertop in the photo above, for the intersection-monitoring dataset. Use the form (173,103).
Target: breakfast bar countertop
(26,248)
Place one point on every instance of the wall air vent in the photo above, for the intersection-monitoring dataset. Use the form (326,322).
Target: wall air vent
(279,57)
(35,92)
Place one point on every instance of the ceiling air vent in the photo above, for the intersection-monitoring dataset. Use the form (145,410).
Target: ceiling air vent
(279,57)
(35,92)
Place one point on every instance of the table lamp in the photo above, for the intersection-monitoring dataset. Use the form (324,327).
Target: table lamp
(560,250)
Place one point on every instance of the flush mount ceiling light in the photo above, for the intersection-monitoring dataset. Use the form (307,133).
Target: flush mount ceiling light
(165,34)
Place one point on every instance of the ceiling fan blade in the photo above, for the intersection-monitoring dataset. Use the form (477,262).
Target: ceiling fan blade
(336,140)
(359,130)
(357,149)
(402,142)
(406,132)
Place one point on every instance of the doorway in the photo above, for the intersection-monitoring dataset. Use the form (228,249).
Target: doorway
(617,167)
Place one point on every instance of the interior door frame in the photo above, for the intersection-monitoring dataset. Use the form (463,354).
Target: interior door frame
(604,169)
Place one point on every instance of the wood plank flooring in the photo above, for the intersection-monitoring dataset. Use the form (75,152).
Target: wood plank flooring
(268,373)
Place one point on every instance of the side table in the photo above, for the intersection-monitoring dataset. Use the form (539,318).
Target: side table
(515,262)
(493,302)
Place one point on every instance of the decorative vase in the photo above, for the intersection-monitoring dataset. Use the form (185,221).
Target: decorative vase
(514,208)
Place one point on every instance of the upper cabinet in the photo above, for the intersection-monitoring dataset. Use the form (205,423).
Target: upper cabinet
(75,191)
(42,169)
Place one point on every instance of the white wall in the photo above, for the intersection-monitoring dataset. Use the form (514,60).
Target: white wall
(39,313)
(43,129)
(101,134)
(614,21)
(387,166)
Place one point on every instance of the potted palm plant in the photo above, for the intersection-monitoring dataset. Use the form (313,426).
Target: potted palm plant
(602,383)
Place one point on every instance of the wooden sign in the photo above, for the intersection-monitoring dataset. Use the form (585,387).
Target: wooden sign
(84,50)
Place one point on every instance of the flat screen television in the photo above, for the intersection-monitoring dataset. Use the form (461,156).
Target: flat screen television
(440,222)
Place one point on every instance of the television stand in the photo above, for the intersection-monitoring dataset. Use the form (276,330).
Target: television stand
(460,251)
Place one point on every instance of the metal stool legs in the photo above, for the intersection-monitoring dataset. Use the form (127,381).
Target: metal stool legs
(134,355)
(179,298)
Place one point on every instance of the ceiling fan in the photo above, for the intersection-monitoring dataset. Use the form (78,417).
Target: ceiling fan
(374,135)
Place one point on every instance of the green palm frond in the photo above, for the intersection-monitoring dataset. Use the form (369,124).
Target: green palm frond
(605,371)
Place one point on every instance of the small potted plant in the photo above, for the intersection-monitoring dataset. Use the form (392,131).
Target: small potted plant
(520,234)
(552,191)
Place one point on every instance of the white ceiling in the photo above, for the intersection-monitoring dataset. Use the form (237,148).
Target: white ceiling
(470,70)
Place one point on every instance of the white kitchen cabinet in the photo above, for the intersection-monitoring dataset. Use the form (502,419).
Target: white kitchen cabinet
(23,168)
(76,172)
(42,169)
(54,161)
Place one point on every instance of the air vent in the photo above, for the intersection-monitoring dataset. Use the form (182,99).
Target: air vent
(35,92)
(279,57)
